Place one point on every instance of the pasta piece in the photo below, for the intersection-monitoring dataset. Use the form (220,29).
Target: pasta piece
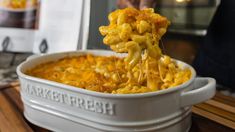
(134,53)
(120,47)
(126,31)
(112,39)
(143,26)
(138,38)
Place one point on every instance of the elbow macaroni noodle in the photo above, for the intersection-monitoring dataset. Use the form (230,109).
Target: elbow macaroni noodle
(144,69)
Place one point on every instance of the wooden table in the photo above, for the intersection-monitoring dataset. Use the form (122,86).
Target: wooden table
(215,115)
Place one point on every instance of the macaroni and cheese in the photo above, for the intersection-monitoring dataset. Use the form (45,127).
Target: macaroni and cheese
(107,74)
(138,32)
(144,69)
(131,30)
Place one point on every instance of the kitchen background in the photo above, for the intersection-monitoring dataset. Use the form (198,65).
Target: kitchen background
(182,41)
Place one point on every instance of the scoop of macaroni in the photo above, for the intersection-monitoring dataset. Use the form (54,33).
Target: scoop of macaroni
(138,32)
(131,30)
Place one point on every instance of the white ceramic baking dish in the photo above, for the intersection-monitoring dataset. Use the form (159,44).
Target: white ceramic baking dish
(60,107)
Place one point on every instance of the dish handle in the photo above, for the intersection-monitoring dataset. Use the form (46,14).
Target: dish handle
(204,89)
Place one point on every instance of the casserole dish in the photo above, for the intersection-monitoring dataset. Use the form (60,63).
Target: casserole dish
(60,107)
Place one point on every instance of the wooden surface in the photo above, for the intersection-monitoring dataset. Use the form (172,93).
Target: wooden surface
(215,115)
